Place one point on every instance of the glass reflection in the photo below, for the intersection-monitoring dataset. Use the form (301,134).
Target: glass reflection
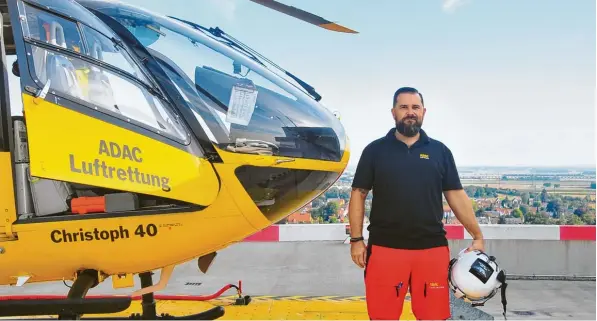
(242,105)
(279,192)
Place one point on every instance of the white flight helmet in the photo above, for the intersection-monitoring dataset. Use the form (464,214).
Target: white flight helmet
(475,276)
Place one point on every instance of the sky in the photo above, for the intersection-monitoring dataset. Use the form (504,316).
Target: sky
(506,83)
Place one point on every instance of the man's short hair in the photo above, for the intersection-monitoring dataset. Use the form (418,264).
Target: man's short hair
(407,90)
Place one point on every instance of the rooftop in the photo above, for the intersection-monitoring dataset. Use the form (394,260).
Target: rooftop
(551,271)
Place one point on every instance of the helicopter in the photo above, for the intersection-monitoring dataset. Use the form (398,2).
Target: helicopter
(146,141)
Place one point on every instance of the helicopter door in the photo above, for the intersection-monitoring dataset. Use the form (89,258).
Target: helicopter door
(94,118)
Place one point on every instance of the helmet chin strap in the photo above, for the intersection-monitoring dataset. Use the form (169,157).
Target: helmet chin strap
(502,278)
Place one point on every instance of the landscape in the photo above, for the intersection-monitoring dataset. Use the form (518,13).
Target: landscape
(499,195)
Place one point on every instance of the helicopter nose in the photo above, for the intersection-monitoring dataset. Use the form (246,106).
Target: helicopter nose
(318,156)
(279,192)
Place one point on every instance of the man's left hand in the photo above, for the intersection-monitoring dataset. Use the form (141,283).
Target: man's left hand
(477,245)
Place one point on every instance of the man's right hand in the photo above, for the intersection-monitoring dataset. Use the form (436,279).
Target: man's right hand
(358,251)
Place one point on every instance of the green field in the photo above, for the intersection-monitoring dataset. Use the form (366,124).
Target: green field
(571,188)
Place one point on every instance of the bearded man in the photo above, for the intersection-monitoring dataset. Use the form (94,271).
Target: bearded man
(407,249)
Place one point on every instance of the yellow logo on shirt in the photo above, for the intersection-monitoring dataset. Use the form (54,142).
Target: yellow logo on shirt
(435,285)
(425,156)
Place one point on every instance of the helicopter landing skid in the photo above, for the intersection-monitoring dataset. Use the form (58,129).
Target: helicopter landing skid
(149,308)
(75,304)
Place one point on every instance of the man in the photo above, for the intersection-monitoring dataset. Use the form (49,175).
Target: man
(407,248)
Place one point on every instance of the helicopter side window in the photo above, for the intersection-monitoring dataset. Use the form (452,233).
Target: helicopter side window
(102,48)
(52,30)
(110,90)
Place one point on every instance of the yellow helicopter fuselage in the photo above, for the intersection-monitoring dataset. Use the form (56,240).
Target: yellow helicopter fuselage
(151,136)
(129,243)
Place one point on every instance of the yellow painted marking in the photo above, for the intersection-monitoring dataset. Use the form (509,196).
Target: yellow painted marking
(276,308)
(272,308)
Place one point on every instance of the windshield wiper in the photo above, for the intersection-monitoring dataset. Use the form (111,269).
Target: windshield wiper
(232,42)
(217,32)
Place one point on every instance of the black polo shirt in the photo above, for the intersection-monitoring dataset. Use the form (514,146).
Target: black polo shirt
(407,186)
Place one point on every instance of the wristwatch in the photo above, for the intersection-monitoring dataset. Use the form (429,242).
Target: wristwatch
(356,239)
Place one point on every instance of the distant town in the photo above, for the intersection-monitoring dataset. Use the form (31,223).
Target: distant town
(555,196)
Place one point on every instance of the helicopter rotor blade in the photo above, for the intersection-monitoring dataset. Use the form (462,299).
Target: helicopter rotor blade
(304,16)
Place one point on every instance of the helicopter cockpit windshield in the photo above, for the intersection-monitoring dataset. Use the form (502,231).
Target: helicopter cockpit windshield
(242,106)
(89,66)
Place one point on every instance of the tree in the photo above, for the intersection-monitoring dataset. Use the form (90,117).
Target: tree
(536,204)
(480,192)
(538,219)
(345,194)
(470,191)
(516,213)
(580,211)
(544,196)
(546,184)
(573,220)
(554,207)
(317,203)
(317,213)
(330,209)
(333,192)
(525,198)
(588,219)
(506,202)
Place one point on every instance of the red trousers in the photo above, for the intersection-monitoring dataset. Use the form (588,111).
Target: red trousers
(391,273)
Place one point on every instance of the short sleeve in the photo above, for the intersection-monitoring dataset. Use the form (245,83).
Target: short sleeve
(363,176)
(451,180)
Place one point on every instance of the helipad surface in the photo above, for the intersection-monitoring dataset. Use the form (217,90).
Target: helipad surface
(318,280)
(276,308)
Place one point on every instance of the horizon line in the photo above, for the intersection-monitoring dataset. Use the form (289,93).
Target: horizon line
(521,166)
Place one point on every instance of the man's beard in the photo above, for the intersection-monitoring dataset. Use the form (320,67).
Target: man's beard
(409,129)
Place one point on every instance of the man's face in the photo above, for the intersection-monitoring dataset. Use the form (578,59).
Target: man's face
(408,113)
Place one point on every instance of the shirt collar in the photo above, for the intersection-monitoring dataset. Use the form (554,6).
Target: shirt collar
(423,138)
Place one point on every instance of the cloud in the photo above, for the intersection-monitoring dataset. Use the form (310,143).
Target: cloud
(226,8)
(451,5)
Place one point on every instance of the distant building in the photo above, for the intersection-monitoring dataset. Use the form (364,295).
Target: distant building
(492,214)
(512,220)
(483,220)
(452,220)
(343,214)
(299,217)
(503,211)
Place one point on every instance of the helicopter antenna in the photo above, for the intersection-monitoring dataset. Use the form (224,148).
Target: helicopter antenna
(303,15)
